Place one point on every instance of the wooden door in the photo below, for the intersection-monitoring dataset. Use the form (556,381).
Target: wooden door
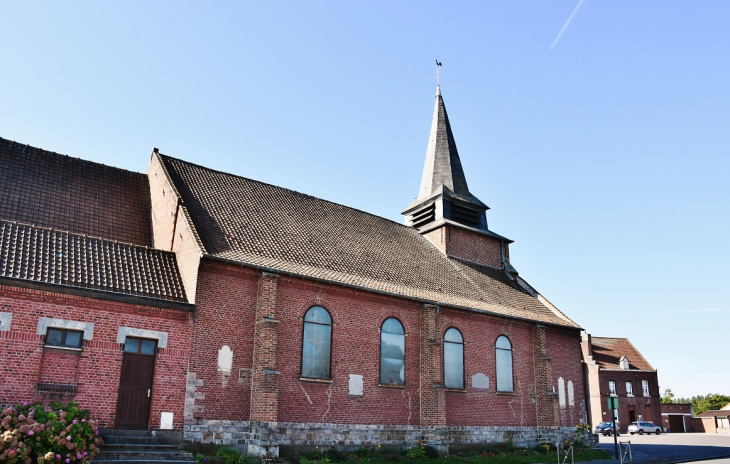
(648,417)
(676,424)
(135,384)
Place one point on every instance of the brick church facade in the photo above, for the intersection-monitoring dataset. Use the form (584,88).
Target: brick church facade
(243,313)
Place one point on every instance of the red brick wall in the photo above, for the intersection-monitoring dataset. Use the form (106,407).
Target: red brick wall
(472,246)
(171,226)
(486,407)
(564,348)
(224,315)
(357,317)
(25,362)
(59,366)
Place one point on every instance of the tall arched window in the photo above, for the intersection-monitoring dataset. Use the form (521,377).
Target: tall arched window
(392,353)
(317,343)
(504,364)
(453,359)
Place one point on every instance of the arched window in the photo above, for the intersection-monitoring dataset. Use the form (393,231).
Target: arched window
(453,359)
(504,365)
(392,353)
(317,343)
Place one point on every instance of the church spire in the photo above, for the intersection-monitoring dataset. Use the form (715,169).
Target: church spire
(443,185)
(443,166)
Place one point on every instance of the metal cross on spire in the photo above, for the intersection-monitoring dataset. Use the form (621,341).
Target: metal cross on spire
(438,71)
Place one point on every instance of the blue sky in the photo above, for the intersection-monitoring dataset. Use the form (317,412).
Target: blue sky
(602,151)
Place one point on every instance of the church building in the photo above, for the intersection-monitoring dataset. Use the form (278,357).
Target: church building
(242,313)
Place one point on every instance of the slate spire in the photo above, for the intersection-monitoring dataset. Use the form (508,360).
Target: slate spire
(443,166)
(443,182)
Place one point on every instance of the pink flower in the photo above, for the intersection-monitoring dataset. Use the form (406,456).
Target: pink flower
(68,437)
(76,422)
(31,432)
(85,453)
(58,456)
(68,460)
(25,404)
(83,420)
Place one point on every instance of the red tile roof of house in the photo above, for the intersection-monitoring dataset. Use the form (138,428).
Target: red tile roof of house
(51,190)
(607,352)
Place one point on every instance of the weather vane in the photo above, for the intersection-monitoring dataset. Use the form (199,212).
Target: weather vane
(438,71)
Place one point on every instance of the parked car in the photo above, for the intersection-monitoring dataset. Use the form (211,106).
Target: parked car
(641,427)
(606,428)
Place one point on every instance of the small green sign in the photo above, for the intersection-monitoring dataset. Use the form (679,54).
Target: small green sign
(613,402)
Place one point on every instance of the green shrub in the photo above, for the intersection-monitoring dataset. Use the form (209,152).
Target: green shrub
(394,457)
(334,455)
(417,452)
(431,452)
(313,456)
(56,433)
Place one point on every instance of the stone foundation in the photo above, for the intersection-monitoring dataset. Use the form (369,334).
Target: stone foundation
(260,438)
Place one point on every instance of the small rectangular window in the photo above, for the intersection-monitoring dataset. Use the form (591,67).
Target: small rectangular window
(645,386)
(611,387)
(139,345)
(629,389)
(64,338)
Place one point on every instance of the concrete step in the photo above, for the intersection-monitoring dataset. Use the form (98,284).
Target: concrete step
(140,461)
(150,455)
(125,433)
(127,440)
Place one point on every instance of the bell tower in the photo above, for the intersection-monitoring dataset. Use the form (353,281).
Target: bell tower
(444,210)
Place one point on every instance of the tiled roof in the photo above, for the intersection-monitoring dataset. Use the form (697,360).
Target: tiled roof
(263,225)
(608,351)
(51,190)
(715,413)
(48,256)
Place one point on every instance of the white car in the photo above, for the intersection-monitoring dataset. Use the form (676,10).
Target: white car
(642,427)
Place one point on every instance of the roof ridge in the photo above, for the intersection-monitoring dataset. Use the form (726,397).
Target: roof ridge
(287,189)
(74,158)
(75,234)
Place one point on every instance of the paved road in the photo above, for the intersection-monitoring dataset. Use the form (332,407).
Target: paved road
(673,447)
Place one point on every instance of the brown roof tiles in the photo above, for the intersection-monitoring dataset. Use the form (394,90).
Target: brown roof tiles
(51,190)
(607,352)
(54,257)
(263,225)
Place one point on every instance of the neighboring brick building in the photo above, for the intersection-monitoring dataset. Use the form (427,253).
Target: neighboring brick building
(80,284)
(617,369)
(714,421)
(312,322)
(677,418)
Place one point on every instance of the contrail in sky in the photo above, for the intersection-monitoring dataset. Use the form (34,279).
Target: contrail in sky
(565,26)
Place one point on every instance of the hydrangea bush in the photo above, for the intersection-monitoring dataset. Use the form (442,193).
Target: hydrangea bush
(58,433)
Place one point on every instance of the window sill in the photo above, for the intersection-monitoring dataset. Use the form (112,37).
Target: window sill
(456,390)
(64,348)
(613,395)
(506,393)
(307,379)
(629,395)
(386,385)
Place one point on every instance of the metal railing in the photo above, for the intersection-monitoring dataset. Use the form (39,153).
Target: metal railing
(626,456)
(567,453)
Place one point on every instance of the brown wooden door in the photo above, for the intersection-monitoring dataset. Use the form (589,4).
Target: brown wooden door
(648,417)
(135,384)
(676,424)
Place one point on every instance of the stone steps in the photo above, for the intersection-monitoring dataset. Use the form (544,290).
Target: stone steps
(139,446)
